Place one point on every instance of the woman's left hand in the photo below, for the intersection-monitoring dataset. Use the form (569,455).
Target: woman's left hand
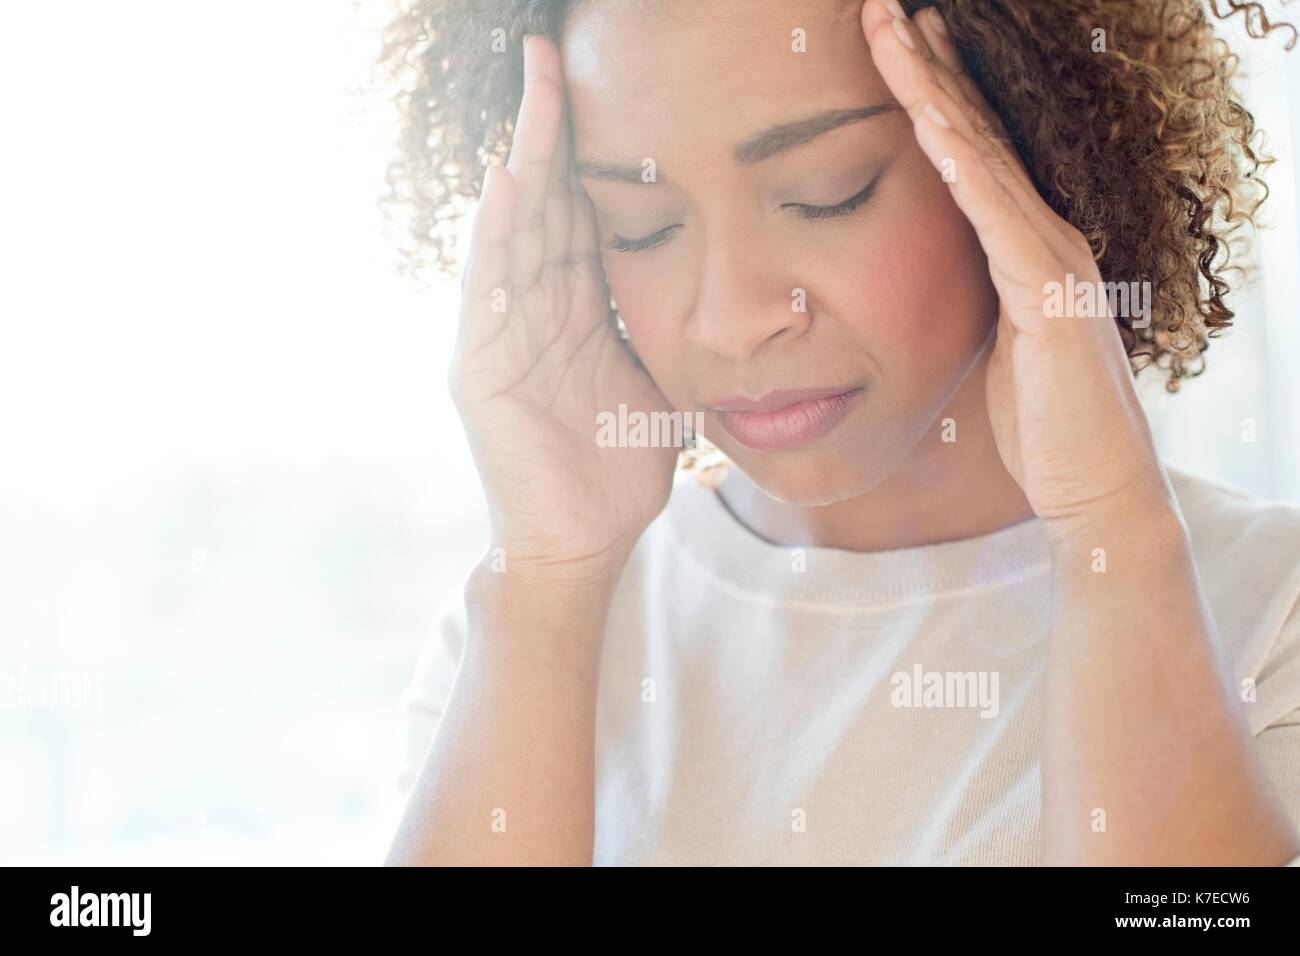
(1186,788)
(1064,409)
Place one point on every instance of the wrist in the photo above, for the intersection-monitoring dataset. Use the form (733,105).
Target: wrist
(1146,510)
(580,560)
(549,611)
(1150,541)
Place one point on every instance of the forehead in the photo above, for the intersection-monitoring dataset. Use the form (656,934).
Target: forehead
(643,73)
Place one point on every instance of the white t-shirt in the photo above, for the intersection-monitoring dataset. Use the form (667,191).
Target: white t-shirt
(761,704)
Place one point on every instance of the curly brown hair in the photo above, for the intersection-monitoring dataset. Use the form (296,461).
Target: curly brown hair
(1144,147)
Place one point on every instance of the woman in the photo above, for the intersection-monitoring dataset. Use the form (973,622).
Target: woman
(947,606)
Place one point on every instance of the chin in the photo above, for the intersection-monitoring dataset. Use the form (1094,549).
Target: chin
(813,476)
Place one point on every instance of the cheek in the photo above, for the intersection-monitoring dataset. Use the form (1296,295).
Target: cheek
(650,324)
(930,301)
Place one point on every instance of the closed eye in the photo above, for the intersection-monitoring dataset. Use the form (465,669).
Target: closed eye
(620,244)
(839,209)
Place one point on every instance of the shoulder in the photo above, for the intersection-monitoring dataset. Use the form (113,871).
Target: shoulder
(1239,536)
(1247,551)
(1222,510)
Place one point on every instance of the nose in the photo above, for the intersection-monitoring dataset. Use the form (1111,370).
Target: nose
(746,300)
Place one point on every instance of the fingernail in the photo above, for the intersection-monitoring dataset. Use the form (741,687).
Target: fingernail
(896,9)
(900,27)
(937,19)
(939,119)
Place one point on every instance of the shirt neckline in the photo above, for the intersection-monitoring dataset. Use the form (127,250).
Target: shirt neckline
(716,540)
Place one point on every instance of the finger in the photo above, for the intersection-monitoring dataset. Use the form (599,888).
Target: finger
(590,288)
(560,181)
(876,14)
(951,71)
(1017,250)
(949,65)
(913,82)
(559,200)
(923,37)
(896,12)
(536,134)
(909,65)
(584,242)
(926,34)
(935,43)
(896,49)
(487,268)
(932,26)
(953,77)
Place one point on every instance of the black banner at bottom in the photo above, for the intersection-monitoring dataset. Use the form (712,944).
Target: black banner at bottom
(337,906)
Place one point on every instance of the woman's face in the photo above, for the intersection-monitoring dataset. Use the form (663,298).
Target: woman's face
(812,289)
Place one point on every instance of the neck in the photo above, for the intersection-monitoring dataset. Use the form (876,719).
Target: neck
(944,491)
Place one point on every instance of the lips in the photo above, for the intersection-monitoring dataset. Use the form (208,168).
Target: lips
(791,418)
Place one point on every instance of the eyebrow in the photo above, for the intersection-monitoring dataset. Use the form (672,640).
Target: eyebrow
(755,149)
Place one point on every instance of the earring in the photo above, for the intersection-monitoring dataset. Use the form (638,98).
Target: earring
(705,460)
(616,320)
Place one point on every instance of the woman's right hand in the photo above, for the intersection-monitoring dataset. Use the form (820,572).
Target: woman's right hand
(537,360)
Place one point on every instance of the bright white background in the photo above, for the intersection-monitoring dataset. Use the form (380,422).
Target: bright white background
(232,489)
